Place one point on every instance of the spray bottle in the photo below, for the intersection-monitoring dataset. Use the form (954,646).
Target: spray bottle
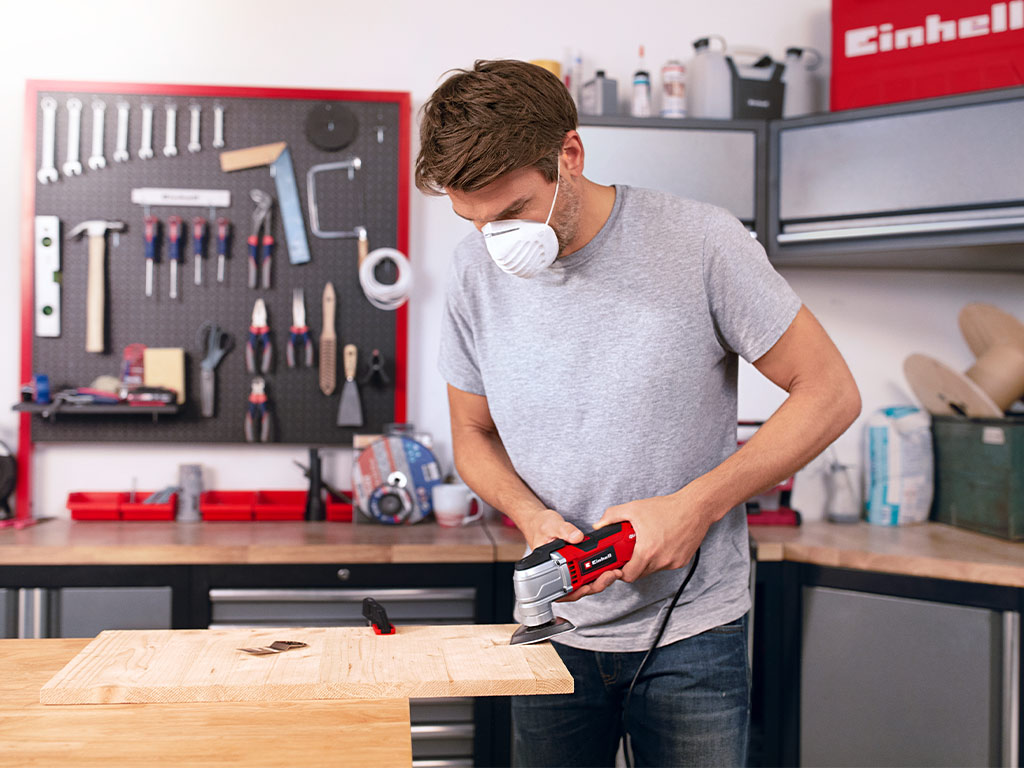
(641,104)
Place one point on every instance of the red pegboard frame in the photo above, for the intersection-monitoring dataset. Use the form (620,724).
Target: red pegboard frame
(23,499)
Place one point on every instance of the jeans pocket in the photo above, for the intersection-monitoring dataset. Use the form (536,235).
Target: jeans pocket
(733,628)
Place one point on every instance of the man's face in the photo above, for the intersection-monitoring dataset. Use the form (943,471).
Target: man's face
(523,194)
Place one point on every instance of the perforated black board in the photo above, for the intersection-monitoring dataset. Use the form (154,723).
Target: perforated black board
(301,413)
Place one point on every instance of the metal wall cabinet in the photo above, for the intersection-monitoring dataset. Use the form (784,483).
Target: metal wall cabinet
(937,183)
(445,732)
(722,162)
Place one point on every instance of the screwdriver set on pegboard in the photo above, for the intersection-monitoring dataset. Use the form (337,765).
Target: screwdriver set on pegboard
(236,255)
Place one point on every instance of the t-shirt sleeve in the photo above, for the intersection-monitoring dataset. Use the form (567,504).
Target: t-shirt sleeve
(751,304)
(457,359)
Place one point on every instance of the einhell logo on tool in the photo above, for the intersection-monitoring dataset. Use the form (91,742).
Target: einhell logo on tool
(887,52)
(601,558)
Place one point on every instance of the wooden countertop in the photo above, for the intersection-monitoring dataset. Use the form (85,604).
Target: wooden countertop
(308,733)
(931,550)
(68,542)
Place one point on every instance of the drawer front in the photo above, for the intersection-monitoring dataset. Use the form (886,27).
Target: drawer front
(338,607)
(961,157)
(715,167)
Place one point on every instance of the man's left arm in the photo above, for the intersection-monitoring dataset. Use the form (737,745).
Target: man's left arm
(823,402)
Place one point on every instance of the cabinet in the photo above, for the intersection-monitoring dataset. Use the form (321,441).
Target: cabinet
(934,184)
(715,161)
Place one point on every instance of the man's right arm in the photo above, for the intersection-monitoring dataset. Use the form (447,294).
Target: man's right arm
(484,465)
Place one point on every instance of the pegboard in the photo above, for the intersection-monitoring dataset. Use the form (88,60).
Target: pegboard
(376,199)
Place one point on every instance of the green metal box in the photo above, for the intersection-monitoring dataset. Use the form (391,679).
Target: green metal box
(979,474)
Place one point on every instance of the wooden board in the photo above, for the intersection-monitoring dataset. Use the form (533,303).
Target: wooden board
(985,326)
(166,666)
(308,733)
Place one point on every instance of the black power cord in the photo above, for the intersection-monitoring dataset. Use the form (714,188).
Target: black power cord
(627,748)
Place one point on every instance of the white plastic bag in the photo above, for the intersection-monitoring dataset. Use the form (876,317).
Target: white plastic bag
(898,481)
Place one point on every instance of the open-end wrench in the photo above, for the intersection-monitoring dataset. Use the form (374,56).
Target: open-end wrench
(146,150)
(193,133)
(171,131)
(121,153)
(218,126)
(72,166)
(99,113)
(47,170)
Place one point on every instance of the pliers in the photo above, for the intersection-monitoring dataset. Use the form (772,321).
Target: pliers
(257,418)
(299,337)
(259,340)
(259,259)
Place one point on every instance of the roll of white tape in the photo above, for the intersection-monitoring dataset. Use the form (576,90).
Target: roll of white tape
(382,295)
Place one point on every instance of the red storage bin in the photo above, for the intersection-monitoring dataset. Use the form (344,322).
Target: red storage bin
(91,505)
(227,505)
(280,505)
(138,511)
(339,511)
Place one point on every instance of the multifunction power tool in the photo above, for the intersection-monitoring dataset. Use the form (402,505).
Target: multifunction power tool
(559,568)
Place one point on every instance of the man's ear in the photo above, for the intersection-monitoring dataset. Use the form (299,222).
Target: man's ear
(572,153)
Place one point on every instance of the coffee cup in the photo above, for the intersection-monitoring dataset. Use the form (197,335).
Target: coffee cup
(452,505)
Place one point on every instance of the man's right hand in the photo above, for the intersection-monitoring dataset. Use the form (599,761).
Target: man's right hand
(547,525)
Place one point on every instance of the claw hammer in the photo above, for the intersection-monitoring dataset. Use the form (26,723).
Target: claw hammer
(95,296)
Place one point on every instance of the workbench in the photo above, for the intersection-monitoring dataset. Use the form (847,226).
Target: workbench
(308,733)
(929,563)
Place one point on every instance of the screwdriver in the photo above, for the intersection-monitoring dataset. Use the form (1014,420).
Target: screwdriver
(199,245)
(174,252)
(152,229)
(223,235)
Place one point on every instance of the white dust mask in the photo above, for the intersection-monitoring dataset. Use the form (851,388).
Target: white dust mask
(523,247)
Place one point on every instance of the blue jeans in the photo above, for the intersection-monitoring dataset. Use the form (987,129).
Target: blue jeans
(690,706)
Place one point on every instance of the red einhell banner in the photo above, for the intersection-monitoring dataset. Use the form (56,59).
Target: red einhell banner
(915,49)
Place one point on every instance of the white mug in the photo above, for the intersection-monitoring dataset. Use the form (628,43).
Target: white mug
(452,503)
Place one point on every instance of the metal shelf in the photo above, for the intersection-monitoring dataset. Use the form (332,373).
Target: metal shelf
(51,410)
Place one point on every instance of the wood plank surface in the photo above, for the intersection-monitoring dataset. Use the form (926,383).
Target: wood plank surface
(307,733)
(72,542)
(122,666)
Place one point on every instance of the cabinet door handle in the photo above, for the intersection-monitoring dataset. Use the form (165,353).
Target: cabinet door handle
(1011,688)
(892,230)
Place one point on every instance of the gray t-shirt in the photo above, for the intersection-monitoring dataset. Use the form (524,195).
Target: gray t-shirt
(611,377)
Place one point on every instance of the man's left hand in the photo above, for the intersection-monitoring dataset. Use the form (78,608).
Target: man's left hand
(668,531)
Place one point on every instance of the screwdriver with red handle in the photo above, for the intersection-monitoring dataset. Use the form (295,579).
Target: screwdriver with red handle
(152,232)
(199,246)
(223,235)
(174,251)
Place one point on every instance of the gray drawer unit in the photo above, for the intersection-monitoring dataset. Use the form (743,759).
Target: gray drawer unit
(443,730)
(338,607)
(889,681)
(86,611)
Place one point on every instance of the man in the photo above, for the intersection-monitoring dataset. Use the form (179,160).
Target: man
(590,343)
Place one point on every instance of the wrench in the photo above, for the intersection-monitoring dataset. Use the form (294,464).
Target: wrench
(146,150)
(193,143)
(99,112)
(121,153)
(171,131)
(218,126)
(47,171)
(72,166)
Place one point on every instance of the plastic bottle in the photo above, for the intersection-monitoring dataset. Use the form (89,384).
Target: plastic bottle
(600,95)
(641,104)
(673,89)
(709,82)
(802,89)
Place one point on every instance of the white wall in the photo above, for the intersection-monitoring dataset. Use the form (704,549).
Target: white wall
(876,318)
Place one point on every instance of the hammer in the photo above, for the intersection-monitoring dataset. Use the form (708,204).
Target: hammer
(94,312)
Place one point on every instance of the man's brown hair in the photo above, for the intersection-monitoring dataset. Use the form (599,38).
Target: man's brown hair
(498,117)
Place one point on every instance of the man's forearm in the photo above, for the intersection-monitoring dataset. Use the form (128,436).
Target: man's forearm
(484,465)
(803,426)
